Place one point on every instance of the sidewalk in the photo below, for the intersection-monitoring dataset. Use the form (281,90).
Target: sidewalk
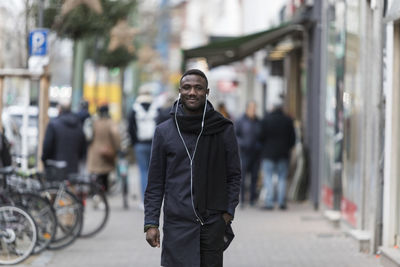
(297,237)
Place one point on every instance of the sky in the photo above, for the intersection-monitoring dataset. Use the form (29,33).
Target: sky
(261,14)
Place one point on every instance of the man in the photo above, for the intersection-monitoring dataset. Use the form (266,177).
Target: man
(195,169)
(64,139)
(87,127)
(278,138)
(83,112)
(247,132)
(142,123)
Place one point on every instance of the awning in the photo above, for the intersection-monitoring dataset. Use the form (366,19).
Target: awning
(234,49)
(393,12)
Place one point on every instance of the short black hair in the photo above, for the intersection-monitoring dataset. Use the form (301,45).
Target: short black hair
(84,104)
(195,72)
(103,110)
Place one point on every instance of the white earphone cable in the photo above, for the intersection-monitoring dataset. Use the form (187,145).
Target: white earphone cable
(191,158)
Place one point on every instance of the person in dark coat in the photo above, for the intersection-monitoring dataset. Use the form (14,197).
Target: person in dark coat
(247,132)
(64,140)
(86,123)
(195,170)
(83,112)
(278,138)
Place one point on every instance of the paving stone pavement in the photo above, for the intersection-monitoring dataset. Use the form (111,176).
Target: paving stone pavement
(297,237)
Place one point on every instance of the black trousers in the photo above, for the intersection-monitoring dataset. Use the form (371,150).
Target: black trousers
(212,243)
(102,179)
(250,164)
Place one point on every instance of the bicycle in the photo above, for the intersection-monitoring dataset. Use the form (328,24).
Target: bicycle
(90,194)
(43,215)
(18,235)
(16,192)
(67,206)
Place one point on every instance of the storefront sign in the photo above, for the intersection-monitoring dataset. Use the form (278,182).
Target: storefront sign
(349,210)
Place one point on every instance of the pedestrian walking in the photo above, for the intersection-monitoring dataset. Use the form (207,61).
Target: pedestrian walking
(104,146)
(247,132)
(83,112)
(278,138)
(142,123)
(195,170)
(87,127)
(64,141)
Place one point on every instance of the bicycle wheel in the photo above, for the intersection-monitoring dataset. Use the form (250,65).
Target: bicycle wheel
(17,235)
(95,207)
(43,214)
(114,186)
(68,210)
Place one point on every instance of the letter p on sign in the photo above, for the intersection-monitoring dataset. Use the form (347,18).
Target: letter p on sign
(38,42)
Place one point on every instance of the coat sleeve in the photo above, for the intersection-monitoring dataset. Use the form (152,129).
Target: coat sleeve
(238,131)
(132,127)
(115,136)
(292,134)
(83,145)
(233,169)
(48,143)
(262,131)
(156,181)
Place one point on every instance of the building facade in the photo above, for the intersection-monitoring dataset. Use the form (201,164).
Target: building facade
(391,88)
(345,99)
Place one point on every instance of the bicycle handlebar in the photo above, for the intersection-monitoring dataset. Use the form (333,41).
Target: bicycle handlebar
(6,170)
(56,163)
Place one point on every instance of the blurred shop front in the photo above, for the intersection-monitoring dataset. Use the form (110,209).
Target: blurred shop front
(328,55)
(246,53)
(286,71)
(351,177)
(391,85)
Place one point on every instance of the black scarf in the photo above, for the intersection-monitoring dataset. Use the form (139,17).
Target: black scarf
(209,171)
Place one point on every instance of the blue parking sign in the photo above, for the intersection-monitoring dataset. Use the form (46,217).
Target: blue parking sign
(38,42)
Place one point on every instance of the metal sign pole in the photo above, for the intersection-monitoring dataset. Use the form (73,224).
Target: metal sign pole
(43,115)
(25,124)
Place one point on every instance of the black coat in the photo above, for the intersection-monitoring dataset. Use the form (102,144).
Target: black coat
(64,141)
(169,180)
(247,132)
(83,114)
(277,135)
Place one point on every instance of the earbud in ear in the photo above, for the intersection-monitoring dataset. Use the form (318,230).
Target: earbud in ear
(179,96)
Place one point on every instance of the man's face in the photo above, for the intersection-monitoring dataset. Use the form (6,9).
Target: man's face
(193,89)
(251,110)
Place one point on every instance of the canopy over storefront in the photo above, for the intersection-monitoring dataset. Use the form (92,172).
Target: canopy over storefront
(234,49)
(393,12)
